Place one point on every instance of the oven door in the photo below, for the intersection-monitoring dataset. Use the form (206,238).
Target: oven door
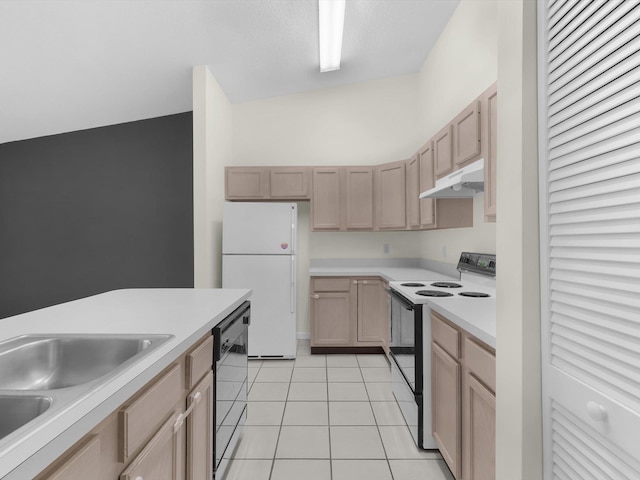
(405,340)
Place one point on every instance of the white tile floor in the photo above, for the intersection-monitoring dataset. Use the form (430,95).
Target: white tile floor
(327,417)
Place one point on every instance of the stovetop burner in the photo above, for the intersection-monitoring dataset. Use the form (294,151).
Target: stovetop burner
(474,294)
(413,284)
(433,293)
(446,285)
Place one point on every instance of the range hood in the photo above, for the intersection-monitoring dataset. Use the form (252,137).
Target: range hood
(463,183)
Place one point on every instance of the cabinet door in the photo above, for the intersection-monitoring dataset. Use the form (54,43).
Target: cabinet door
(373,314)
(359,198)
(325,199)
(200,430)
(490,144)
(413,191)
(445,406)
(331,319)
(427,181)
(162,458)
(443,152)
(480,431)
(289,183)
(466,135)
(246,183)
(391,196)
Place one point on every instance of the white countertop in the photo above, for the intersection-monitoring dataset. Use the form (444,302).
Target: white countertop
(187,314)
(389,273)
(465,312)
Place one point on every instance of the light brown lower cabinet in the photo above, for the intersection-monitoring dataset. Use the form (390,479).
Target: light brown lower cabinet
(80,463)
(163,432)
(199,431)
(463,400)
(348,312)
(446,399)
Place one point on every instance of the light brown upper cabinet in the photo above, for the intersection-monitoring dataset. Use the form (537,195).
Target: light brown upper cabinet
(246,183)
(466,135)
(358,197)
(413,190)
(443,151)
(267,183)
(391,200)
(342,198)
(439,212)
(289,182)
(325,198)
(489,101)
(427,181)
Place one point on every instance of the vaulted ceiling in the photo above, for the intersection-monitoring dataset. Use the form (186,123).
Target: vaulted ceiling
(70,65)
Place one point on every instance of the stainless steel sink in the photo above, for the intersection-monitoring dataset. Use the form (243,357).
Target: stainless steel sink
(16,411)
(41,375)
(36,362)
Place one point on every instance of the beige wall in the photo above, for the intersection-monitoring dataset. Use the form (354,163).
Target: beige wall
(518,400)
(367,123)
(461,65)
(212,149)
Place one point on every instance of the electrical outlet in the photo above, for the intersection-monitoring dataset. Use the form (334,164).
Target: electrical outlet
(385,248)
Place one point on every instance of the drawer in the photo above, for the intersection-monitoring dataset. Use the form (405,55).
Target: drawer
(140,419)
(445,335)
(329,284)
(480,362)
(82,464)
(199,362)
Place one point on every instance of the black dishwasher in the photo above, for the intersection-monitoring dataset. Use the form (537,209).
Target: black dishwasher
(230,384)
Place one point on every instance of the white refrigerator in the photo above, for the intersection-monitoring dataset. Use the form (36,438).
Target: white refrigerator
(259,243)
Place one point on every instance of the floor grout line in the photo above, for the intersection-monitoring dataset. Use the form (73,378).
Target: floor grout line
(327,403)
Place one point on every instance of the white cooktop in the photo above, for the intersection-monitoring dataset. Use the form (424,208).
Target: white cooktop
(475,315)
(468,283)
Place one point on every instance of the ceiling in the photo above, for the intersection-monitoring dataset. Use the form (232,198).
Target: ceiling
(76,64)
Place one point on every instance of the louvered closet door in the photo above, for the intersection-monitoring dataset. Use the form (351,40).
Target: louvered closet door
(589,72)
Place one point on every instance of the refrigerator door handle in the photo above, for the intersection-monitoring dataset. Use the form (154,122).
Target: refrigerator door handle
(293,283)
(294,234)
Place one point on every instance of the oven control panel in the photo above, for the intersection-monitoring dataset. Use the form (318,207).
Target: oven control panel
(483,263)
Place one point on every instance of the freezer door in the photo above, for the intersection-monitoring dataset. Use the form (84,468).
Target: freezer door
(272,278)
(259,228)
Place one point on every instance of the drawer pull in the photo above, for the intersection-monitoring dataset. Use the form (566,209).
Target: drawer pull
(181,418)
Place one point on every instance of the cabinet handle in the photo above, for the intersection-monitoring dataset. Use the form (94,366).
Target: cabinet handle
(315,296)
(596,411)
(180,420)
(366,282)
(355,282)
(139,478)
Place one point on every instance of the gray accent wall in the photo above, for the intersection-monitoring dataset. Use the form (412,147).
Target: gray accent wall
(96,210)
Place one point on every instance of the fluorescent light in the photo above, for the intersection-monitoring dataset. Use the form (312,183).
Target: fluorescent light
(331,24)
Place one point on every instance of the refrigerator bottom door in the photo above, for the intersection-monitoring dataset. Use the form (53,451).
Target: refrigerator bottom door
(272,331)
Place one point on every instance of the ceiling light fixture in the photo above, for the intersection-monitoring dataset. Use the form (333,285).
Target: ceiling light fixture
(331,24)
